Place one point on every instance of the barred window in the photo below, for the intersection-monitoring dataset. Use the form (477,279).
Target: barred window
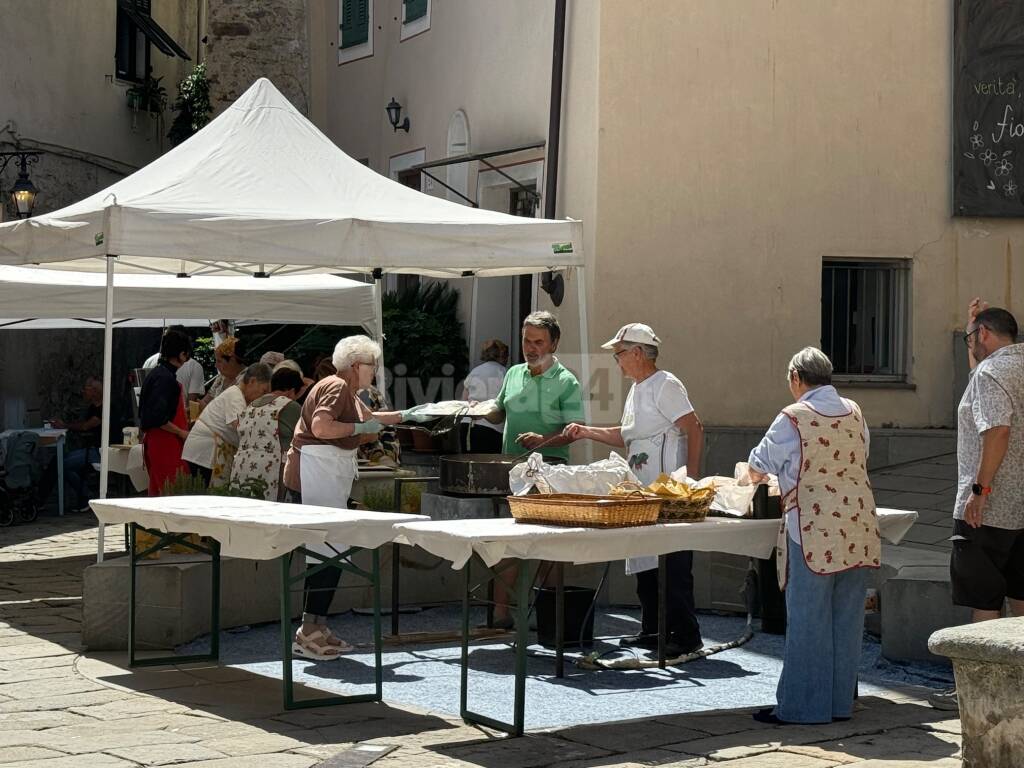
(865,318)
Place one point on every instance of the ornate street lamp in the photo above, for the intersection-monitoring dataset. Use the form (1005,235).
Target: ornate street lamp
(394,110)
(24,192)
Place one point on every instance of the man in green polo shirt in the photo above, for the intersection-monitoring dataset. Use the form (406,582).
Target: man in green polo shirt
(540,397)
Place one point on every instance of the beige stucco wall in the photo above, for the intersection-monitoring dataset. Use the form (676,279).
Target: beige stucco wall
(742,141)
(59,91)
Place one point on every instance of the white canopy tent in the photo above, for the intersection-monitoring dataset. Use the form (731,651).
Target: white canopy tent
(48,296)
(260,190)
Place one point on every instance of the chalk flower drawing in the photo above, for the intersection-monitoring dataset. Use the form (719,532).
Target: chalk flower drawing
(1010,188)
(977,142)
(987,156)
(1003,168)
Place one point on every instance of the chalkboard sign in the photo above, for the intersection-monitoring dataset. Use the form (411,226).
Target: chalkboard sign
(988,108)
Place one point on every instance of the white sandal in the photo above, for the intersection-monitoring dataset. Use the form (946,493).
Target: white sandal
(336,642)
(315,646)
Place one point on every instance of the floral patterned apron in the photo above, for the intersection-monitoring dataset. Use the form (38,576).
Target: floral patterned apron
(833,498)
(259,447)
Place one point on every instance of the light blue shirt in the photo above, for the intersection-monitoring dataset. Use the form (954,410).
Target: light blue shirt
(778,453)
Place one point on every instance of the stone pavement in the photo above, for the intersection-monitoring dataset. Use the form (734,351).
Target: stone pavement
(929,488)
(61,709)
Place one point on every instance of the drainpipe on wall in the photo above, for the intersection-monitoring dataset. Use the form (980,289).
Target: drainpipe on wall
(553,284)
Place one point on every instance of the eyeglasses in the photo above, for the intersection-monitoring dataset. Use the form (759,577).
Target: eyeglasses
(967,336)
(621,352)
(375,364)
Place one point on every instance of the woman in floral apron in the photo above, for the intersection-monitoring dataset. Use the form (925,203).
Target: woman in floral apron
(828,539)
(661,433)
(265,432)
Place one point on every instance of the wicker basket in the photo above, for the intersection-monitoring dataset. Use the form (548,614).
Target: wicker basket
(584,510)
(673,508)
(687,510)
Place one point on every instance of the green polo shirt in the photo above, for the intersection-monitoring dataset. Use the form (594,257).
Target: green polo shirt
(541,404)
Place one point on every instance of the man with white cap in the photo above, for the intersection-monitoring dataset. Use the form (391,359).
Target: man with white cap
(661,433)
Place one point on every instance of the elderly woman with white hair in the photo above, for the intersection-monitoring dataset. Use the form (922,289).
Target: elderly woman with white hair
(320,468)
(829,537)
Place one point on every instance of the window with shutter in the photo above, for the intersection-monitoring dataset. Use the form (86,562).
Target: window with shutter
(414,9)
(355,22)
(415,18)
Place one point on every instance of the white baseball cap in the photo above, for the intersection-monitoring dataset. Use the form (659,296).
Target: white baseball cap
(637,333)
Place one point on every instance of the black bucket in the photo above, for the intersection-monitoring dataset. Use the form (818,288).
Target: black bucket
(577,607)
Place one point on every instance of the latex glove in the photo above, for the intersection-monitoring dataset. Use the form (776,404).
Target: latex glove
(366,427)
(413,414)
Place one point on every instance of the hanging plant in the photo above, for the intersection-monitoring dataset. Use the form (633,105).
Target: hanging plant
(192,105)
(148,96)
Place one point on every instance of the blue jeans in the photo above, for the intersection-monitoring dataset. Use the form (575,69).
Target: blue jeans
(824,634)
(77,465)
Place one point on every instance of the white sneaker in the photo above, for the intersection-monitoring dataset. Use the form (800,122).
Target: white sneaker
(945,700)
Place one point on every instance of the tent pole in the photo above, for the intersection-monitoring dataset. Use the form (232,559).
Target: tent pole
(378,311)
(474,304)
(108,345)
(585,372)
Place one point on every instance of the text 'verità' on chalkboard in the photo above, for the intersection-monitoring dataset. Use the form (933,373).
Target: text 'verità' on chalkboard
(996,87)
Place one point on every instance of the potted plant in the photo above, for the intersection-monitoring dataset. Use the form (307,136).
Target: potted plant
(424,346)
(148,96)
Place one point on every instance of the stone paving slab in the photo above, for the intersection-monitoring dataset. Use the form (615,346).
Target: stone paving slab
(27,754)
(167,754)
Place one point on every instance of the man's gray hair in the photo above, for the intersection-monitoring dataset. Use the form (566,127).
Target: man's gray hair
(811,366)
(259,372)
(546,320)
(355,349)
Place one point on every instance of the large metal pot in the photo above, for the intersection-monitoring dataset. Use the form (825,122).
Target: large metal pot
(479,474)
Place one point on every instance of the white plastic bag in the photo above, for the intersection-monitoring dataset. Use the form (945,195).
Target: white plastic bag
(731,498)
(596,478)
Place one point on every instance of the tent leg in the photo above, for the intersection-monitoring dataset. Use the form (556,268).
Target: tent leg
(473,306)
(585,372)
(378,309)
(108,344)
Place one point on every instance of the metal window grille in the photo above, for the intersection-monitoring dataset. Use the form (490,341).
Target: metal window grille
(865,318)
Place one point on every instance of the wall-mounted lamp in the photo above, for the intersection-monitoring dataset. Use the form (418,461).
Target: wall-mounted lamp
(24,192)
(394,110)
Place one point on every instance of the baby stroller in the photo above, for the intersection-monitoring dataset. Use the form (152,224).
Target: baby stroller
(17,492)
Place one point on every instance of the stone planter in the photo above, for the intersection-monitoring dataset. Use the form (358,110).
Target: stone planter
(988,661)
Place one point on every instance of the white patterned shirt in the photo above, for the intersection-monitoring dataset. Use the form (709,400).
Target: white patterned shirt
(994,398)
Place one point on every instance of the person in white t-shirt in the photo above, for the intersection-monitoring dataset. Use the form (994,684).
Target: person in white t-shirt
(218,423)
(484,383)
(190,375)
(661,433)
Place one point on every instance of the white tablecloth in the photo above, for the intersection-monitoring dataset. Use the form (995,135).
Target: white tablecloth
(128,461)
(258,530)
(496,539)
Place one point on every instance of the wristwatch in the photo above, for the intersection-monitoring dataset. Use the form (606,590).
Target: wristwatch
(981,490)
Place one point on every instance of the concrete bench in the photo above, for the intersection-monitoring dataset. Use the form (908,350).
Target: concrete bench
(916,600)
(988,661)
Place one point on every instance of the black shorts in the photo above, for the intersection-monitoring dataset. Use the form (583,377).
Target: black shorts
(986,566)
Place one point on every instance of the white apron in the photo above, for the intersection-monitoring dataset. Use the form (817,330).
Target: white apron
(648,457)
(326,473)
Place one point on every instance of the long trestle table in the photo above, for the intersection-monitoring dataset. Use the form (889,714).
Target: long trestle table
(257,530)
(494,540)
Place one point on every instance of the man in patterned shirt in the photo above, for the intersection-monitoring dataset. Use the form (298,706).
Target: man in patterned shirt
(987,562)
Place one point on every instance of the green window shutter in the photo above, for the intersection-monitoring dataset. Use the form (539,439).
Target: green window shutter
(415,9)
(355,22)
